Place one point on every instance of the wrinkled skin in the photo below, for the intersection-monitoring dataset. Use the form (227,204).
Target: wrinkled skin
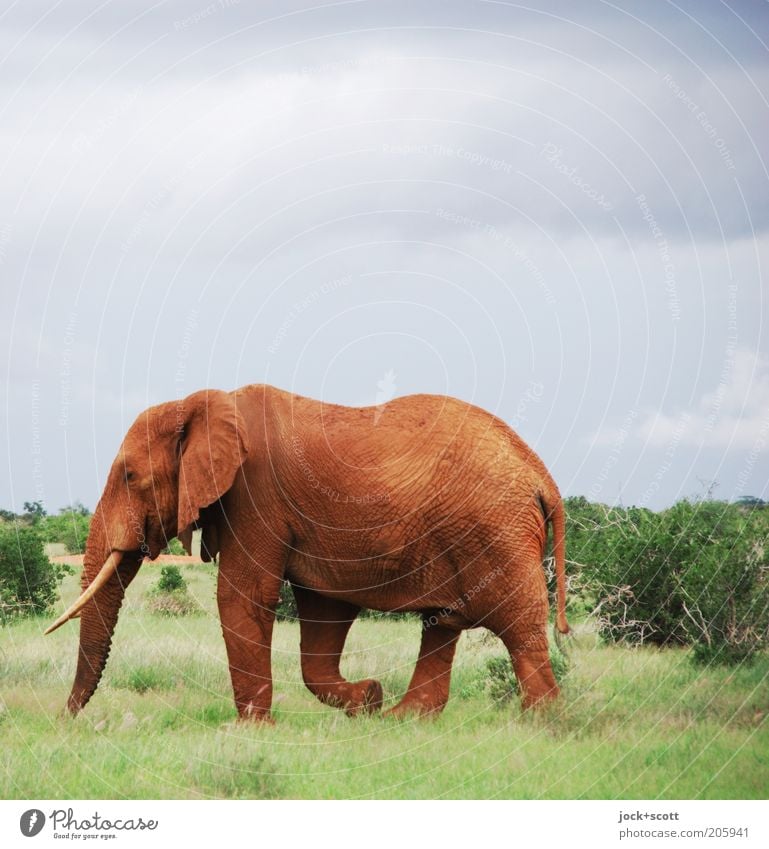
(425,504)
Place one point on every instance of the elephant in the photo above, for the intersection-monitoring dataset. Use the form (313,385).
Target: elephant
(425,504)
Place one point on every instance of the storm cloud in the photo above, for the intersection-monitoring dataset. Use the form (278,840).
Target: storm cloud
(559,214)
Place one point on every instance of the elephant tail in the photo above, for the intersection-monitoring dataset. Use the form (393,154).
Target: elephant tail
(555,515)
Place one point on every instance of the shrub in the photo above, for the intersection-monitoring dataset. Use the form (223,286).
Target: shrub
(171,580)
(583,520)
(635,568)
(367,613)
(175,547)
(28,580)
(725,585)
(70,528)
(170,596)
(696,574)
(286,609)
(172,604)
(501,683)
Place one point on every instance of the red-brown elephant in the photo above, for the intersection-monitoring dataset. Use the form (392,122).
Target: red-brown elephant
(424,504)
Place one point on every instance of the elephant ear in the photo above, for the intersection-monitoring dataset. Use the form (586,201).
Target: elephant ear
(212,447)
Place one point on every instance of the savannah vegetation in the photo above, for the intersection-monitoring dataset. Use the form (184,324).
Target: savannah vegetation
(665,682)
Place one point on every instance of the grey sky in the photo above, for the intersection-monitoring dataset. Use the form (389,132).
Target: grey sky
(560,214)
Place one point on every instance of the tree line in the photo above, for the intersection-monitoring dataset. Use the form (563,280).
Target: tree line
(69,527)
(29,581)
(694,575)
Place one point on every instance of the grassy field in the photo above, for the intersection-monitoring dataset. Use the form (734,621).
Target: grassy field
(632,724)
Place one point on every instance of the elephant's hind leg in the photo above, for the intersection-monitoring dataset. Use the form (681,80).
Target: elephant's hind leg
(324,623)
(428,691)
(531,663)
(525,638)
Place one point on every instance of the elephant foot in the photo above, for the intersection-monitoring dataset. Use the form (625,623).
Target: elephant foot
(540,701)
(254,719)
(370,700)
(354,699)
(422,705)
(252,713)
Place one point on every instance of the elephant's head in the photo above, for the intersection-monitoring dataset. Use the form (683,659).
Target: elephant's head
(177,459)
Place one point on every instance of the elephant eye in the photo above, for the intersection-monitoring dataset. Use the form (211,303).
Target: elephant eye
(129,476)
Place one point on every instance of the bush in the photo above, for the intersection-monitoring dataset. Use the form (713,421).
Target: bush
(696,574)
(172,604)
(169,596)
(725,585)
(171,580)
(367,613)
(70,528)
(583,520)
(501,683)
(175,547)
(286,609)
(635,567)
(28,580)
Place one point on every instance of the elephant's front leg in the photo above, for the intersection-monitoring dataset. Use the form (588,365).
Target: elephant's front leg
(248,597)
(324,623)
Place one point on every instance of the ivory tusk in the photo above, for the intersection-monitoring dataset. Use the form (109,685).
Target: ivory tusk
(105,573)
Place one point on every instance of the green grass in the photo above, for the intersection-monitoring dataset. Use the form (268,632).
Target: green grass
(632,723)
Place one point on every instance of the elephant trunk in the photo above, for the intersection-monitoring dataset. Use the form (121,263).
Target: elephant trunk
(99,614)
